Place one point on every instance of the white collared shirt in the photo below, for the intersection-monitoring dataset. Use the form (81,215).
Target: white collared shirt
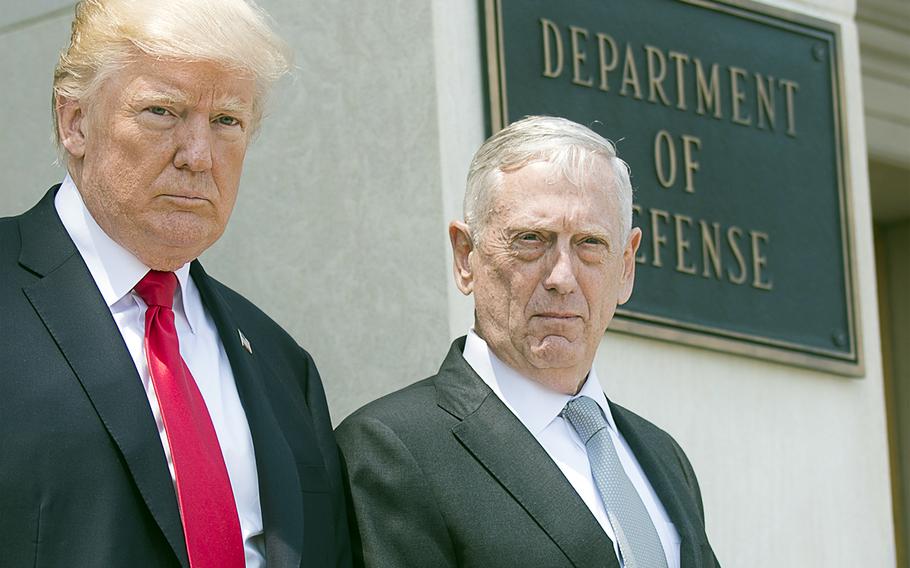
(538,408)
(116,271)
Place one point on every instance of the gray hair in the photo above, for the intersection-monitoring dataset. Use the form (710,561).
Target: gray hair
(107,34)
(569,146)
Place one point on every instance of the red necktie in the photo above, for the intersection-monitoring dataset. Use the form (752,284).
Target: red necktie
(210,522)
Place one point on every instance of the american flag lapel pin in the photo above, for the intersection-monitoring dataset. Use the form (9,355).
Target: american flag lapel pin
(245,342)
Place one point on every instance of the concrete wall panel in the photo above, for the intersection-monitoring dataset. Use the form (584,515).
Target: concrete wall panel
(334,232)
(27,160)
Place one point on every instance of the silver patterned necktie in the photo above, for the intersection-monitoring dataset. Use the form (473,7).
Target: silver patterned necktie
(639,544)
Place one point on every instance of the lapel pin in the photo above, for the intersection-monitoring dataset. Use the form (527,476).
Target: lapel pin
(245,342)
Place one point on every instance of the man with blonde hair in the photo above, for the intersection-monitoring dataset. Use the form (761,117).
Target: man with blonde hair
(512,455)
(149,415)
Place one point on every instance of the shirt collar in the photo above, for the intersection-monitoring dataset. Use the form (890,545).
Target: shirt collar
(535,405)
(115,270)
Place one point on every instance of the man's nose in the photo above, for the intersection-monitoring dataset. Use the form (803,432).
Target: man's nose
(561,278)
(194,151)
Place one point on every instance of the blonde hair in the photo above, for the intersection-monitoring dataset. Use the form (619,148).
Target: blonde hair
(572,148)
(108,34)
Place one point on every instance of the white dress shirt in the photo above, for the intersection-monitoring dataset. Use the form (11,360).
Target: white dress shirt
(538,408)
(116,271)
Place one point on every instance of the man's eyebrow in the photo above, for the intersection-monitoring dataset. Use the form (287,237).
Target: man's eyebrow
(228,104)
(592,230)
(170,96)
(231,105)
(595,231)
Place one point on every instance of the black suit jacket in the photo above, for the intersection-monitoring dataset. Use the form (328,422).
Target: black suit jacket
(441,474)
(83,477)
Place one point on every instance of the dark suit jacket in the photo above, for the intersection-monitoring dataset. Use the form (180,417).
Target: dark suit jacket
(83,477)
(441,473)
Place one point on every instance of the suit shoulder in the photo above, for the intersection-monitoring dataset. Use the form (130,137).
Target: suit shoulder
(642,425)
(644,428)
(253,320)
(399,410)
(653,436)
(239,303)
(9,237)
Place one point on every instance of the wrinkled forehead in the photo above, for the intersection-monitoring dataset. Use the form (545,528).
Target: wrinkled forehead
(183,83)
(588,180)
(543,190)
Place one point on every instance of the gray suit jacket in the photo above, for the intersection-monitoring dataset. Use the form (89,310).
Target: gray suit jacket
(441,473)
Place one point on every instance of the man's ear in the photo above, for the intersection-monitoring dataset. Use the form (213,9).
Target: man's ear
(462,247)
(628,266)
(70,125)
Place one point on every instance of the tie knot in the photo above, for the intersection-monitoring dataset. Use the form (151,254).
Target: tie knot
(585,416)
(157,288)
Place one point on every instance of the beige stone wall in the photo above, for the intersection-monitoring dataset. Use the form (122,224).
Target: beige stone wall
(894,250)
(335,230)
(30,40)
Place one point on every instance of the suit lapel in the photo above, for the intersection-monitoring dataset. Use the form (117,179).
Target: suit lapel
(496,438)
(74,312)
(279,486)
(667,480)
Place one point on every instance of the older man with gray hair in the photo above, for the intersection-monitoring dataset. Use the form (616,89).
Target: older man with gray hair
(512,455)
(149,415)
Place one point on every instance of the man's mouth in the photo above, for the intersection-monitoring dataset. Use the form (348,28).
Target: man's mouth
(186,200)
(558,315)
